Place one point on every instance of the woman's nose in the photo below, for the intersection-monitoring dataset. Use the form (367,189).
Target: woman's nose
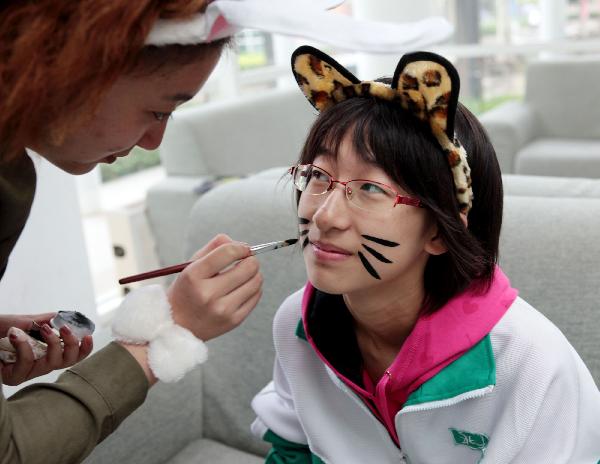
(333,211)
(152,138)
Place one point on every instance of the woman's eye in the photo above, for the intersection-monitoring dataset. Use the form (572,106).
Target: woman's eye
(319,176)
(160,116)
(372,188)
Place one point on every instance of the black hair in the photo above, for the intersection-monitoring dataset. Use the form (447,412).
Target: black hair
(385,134)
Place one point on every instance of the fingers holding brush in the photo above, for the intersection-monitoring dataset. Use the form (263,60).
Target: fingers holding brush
(215,242)
(201,297)
(244,298)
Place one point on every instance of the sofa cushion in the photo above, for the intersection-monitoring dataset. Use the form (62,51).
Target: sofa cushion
(548,186)
(255,210)
(560,157)
(565,96)
(212,452)
(549,249)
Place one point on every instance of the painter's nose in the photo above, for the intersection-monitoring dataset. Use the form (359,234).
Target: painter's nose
(152,139)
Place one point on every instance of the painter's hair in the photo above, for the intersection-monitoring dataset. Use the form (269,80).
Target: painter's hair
(385,134)
(58,58)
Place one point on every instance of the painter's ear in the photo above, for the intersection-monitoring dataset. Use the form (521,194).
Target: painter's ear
(435,245)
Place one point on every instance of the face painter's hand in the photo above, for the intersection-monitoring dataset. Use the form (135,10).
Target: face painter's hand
(61,352)
(23,321)
(211,297)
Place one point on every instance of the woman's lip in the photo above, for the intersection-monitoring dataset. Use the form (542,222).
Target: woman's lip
(322,254)
(330,248)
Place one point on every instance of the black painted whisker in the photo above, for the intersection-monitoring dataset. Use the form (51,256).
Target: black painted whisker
(302,220)
(305,243)
(376,254)
(304,232)
(370,269)
(381,241)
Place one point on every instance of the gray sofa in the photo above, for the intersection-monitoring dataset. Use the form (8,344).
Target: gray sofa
(550,248)
(555,131)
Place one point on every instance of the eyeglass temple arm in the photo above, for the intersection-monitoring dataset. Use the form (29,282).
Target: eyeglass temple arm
(402,200)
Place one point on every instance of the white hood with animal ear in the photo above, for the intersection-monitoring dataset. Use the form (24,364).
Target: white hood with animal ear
(300,18)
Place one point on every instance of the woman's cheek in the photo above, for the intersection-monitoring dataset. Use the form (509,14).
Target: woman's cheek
(303,206)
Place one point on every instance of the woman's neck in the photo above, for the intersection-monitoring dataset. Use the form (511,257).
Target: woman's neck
(383,320)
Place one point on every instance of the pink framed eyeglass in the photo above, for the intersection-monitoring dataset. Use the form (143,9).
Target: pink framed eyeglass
(363,193)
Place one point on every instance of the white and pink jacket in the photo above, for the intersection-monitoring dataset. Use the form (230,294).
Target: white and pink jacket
(486,378)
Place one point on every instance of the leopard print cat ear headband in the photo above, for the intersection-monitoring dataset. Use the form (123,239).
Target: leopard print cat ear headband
(425,84)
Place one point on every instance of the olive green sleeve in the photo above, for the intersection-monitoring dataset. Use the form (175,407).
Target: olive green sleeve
(62,422)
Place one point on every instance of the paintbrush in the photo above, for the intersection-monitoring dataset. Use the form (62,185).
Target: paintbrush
(254,250)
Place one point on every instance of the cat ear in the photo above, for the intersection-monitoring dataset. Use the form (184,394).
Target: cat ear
(428,86)
(320,77)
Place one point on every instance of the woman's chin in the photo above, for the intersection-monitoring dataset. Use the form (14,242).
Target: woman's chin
(327,283)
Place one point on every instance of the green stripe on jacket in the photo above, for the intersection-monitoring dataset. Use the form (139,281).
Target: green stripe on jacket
(288,452)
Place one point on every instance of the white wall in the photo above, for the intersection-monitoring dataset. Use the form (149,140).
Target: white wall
(48,269)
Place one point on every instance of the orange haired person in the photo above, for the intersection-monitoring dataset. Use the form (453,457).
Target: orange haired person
(82,82)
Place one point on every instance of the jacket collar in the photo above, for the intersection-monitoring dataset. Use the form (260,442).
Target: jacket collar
(439,340)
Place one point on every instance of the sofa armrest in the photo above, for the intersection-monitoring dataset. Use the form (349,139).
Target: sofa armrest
(168,205)
(510,126)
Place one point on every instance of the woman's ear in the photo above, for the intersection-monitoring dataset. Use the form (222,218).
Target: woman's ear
(435,244)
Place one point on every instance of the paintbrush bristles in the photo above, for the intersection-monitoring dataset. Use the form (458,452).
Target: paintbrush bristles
(272,246)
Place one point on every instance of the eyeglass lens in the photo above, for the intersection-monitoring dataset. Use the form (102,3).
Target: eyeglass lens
(364,194)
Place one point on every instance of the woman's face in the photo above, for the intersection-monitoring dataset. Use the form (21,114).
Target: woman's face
(134,112)
(350,249)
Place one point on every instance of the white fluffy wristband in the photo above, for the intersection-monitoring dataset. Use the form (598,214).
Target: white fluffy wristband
(143,317)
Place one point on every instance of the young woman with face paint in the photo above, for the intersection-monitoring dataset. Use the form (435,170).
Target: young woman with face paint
(408,343)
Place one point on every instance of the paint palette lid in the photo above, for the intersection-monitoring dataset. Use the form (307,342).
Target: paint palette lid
(79,324)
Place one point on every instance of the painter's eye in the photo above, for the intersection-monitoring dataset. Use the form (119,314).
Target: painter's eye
(161,116)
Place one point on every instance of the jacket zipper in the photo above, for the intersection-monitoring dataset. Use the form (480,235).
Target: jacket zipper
(448,402)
